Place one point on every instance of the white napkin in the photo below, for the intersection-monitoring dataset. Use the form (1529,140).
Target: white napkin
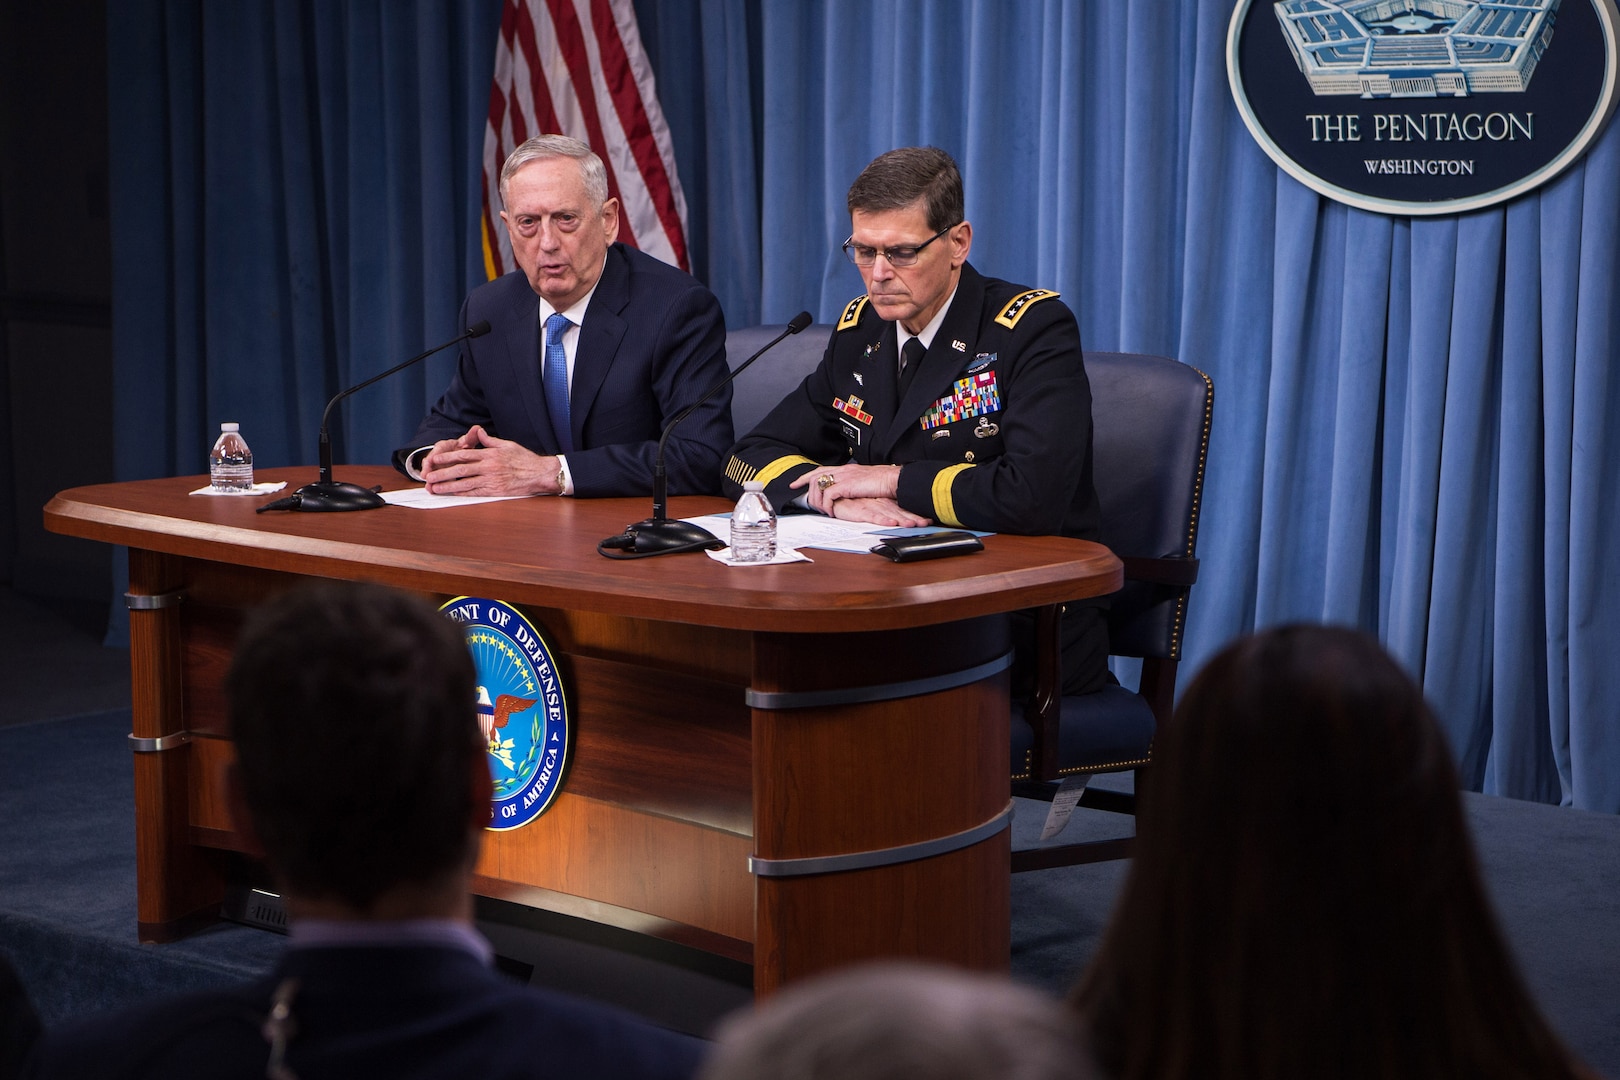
(783,555)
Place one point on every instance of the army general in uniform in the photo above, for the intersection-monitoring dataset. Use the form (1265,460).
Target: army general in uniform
(944,396)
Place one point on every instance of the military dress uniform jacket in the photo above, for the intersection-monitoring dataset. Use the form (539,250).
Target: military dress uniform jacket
(994,432)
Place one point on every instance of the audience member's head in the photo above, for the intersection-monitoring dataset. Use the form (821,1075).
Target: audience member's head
(901,1022)
(359,756)
(1304,898)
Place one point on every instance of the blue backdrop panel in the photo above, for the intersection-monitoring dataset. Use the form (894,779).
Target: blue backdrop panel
(1417,429)
(296,194)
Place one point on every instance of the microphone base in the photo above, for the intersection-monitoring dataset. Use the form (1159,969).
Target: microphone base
(659,536)
(330,495)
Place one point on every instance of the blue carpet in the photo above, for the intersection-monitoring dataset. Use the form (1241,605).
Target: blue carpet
(1554,877)
(67,877)
(67,893)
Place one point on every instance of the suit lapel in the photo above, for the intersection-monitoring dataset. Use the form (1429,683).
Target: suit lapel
(599,339)
(942,363)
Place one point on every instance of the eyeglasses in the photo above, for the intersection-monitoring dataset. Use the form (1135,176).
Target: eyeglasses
(898,257)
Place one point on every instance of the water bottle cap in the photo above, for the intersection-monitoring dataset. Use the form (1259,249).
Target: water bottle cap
(753,485)
(230,427)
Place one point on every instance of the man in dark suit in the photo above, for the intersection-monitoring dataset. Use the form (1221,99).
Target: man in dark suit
(944,396)
(19,1023)
(363,775)
(593,348)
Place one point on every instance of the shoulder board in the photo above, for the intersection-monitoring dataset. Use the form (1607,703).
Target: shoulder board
(852,313)
(1019,304)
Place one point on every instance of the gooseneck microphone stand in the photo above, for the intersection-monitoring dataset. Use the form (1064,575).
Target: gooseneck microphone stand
(327,494)
(658,535)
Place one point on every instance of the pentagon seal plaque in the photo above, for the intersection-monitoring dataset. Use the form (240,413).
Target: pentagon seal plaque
(1423,106)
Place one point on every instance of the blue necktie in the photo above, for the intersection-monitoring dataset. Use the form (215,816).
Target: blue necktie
(555,381)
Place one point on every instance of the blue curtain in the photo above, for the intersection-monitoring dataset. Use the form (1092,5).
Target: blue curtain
(1416,430)
(704,55)
(295,203)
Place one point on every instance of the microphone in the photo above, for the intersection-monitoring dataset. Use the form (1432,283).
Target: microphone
(329,494)
(658,535)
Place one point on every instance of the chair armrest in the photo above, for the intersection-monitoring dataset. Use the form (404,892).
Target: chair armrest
(1161,571)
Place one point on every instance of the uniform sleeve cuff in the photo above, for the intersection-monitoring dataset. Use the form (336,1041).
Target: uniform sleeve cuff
(927,488)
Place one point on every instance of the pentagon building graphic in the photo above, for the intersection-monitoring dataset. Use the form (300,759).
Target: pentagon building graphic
(1417,48)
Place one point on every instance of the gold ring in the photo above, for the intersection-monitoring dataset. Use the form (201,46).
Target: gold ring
(825,481)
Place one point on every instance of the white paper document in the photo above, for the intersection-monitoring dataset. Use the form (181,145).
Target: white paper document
(816,531)
(1063,804)
(419,499)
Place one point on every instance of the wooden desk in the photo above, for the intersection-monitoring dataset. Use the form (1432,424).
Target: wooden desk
(784,715)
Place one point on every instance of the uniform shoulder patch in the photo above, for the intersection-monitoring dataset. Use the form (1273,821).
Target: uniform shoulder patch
(852,313)
(1021,303)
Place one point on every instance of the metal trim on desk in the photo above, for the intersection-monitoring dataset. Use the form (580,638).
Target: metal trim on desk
(857,695)
(866,860)
(154,601)
(145,745)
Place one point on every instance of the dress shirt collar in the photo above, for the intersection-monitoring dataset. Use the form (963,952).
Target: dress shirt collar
(576,311)
(902,335)
(384,933)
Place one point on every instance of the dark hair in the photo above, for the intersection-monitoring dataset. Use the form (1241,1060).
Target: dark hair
(1304,898)
(353,711)
(895,180)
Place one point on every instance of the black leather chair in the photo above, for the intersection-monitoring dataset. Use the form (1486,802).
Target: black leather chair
(757,390)
(1150,437)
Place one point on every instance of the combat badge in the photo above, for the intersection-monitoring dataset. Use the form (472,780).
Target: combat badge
(980,362)
(521,709)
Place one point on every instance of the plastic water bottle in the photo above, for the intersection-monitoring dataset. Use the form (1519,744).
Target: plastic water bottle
(753,526)
(230,462)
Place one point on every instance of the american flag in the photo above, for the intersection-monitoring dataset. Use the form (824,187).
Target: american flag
(576,67)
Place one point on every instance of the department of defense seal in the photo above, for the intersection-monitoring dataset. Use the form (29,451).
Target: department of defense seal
(522,710)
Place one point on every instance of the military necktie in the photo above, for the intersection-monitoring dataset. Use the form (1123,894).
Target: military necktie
(910,360)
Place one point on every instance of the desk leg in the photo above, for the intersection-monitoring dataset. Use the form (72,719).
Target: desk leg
(177,888)
(845,779)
